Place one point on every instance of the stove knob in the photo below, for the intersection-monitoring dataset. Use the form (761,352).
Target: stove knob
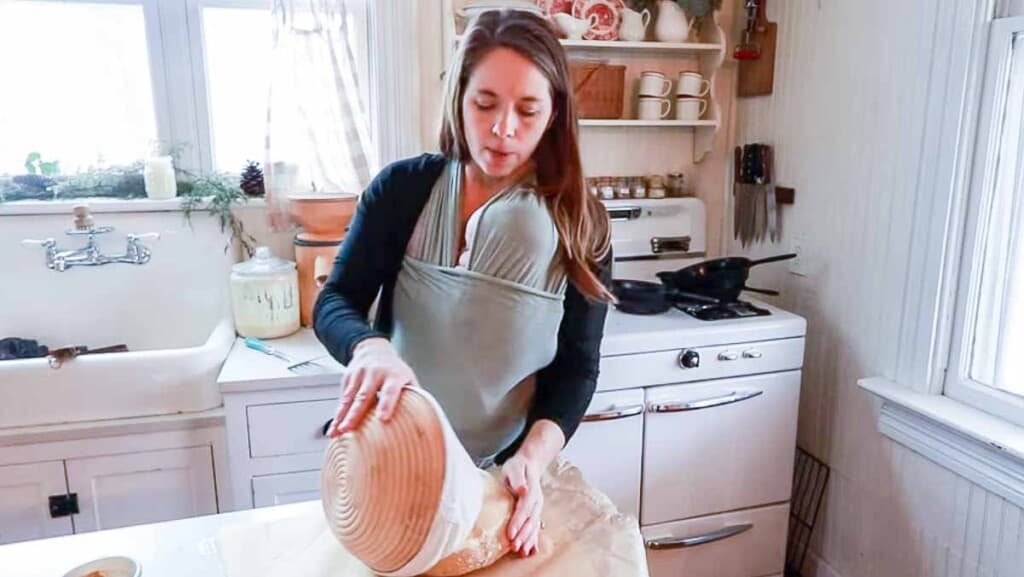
(689,359)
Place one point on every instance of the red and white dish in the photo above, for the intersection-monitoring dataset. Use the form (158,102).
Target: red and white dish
(608,17)
(552,7)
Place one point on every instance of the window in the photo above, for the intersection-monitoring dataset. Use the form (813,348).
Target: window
(85,100)
(986,367)
(92,86)
(238,43)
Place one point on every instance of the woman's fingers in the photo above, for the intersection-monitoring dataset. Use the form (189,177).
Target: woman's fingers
(349,385)
(525,538)
(388,398)
(515,480)
(362,401)
(529,535)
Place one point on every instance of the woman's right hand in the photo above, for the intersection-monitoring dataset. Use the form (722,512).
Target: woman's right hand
(376,370)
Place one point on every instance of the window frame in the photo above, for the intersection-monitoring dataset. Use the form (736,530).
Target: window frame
(957,383)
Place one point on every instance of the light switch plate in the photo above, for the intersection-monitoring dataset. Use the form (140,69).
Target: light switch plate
(798,265)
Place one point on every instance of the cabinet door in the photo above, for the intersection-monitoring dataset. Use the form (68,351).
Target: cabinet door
(606,447)
(24,501)
(268,490)
(147,487)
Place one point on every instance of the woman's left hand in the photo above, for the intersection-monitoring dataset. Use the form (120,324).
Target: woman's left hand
(522,479)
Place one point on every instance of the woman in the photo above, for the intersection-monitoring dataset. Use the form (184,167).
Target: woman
(492,262)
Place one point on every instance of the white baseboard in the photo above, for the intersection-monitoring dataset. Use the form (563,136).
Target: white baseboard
(815,566)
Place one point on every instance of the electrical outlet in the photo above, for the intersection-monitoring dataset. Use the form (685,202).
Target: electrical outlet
(798,265)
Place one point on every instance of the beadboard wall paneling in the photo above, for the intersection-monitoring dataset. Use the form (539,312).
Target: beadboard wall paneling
(849,122)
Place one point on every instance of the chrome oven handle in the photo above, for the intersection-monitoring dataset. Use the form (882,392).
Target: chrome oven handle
(726,399)
(614,413)
(620,213)
(680,542)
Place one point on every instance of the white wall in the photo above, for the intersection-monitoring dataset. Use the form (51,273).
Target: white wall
(848,120)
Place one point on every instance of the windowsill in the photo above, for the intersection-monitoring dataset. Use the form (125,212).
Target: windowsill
(976,445)
(102,205)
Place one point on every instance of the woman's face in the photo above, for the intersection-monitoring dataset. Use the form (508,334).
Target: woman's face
(505,110)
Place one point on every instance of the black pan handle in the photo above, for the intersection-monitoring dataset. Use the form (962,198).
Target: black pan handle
(762,291)
(772,259)
(673,293)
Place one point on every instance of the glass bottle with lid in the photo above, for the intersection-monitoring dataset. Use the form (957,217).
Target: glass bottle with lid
(265,296)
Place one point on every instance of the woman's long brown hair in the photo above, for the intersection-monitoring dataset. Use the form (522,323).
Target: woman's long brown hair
(580,219)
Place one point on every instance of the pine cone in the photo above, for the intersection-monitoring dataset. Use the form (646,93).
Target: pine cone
(252,180)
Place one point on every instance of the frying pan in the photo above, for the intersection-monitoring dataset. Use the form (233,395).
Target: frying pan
(721,278)
(638,297)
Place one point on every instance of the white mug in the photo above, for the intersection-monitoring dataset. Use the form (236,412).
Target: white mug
(653,108)
(654,84)
(692,84)
(690,108)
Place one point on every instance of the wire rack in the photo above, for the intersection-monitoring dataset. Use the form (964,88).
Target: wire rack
(810,476)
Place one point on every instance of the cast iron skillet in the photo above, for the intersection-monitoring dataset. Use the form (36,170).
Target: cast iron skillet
(720,278)
(639,297)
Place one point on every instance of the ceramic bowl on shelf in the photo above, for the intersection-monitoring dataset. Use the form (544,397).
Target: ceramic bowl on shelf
(323,216)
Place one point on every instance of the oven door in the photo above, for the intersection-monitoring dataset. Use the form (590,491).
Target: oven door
(719,445)
(606,447)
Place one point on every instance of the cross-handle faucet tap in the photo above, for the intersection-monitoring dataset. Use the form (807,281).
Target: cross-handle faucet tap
(90,254)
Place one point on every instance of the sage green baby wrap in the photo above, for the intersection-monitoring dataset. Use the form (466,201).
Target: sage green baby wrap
(475,335)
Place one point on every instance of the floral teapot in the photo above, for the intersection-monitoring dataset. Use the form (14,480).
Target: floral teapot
(672,25)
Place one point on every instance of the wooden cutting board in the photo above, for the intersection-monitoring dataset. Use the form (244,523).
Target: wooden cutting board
(757,77)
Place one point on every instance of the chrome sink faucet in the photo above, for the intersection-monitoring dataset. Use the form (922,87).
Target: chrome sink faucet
(90,254)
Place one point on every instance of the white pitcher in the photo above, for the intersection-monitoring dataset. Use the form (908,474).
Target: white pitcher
(634,25)
(574,28)
(672,25)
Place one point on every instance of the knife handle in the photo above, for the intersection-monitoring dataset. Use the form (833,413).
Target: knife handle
(738,160)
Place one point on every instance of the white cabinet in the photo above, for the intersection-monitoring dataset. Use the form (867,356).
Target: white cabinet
(606,447)
(285,488)
(24,498)
(69,479)
(135,488)
(276,442)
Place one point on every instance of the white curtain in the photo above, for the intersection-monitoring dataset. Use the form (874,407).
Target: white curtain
(318,136)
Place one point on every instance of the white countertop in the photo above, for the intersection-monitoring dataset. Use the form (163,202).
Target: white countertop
(184,548)
(624,334)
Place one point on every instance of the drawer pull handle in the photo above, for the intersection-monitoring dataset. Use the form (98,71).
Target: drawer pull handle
(752,354)
(728,356)
(680,542)
(614,413)
(726,399)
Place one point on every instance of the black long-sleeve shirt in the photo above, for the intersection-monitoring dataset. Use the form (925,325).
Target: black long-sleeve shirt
(369,261)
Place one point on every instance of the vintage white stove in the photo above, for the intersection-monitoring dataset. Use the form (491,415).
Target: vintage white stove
(693,428)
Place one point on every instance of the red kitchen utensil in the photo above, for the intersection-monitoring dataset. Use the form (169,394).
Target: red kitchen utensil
(748,49)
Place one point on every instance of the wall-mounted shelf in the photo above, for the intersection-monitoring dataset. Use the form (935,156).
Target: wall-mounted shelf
(708,54)
(630,122)
(679,48)
(646,47)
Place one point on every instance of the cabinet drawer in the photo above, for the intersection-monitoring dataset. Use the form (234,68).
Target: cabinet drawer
(288,428)
(710,362)
(737,544)
(716,446)
(285,488)
(606,447)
